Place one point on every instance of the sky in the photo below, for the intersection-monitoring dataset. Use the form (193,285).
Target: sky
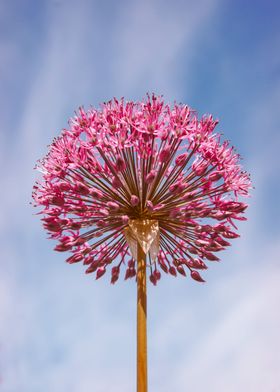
(62,331)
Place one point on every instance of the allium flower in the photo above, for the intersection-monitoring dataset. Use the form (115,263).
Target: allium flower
(147,173)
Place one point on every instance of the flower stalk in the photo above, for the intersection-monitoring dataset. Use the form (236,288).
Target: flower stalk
(142,377)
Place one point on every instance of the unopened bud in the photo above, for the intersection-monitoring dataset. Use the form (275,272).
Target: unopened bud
(196,276)
(134,200)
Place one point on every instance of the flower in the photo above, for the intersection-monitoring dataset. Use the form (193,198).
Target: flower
(129,162)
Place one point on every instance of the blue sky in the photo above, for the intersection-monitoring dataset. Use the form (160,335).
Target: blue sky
(62,331)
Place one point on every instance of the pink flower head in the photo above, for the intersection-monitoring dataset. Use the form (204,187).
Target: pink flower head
(141,160)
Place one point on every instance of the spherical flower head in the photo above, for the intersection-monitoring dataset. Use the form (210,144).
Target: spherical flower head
(130,162)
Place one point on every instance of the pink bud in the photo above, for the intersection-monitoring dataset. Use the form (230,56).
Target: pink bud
(115,274)
(82,188)
(64,186)
(197,264)
(100,272)
(193,250)
(149,205)
(58,200)
(210,256)
(181,159)
(125,219)
(88,260)
(75,258)
(172,271)
(201,242)
(177,187)
(63,247)
(113,206)
(181,270)
(134,200)
(230,234)
(216,176)
(150,177)
(80,241)
(130,273)
(120,164)
(222,242)
(92,268)
(196,276)
(158,207)
(153,279)
(104,212)
(100,223)
(164,154)
(189,195)
(131,263)
(96,193)
(53,226)
(175,213)
(236,207)
(64,222)
(116,182)
(173,188)
(199,168)
(74,225)
(157,274)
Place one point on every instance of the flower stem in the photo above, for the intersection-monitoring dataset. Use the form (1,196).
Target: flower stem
(141,321)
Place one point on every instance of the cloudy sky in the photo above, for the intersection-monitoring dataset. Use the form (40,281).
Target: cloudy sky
(62,331)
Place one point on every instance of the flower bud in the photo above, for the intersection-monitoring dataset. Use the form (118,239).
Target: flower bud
(120,164)
(230,234)
(75,258)
(79,241)
(104,211)
(157,274)
(149,205)
(134,200)
(199,168)
(131,263)
(196,276)
(100,223)
(181,270)
(125,219)
(92,267)
(175,213)
(58,200)
(150,177)
(81,188)
(100,272)
(210,256)
(116,182)
(164,154)
(181,159)
(115,272)
(64,186)
(216,176)
(153,279)
(172,271)
(130,273)
(63,247)
(96,193)
(197,264)
(113,205)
